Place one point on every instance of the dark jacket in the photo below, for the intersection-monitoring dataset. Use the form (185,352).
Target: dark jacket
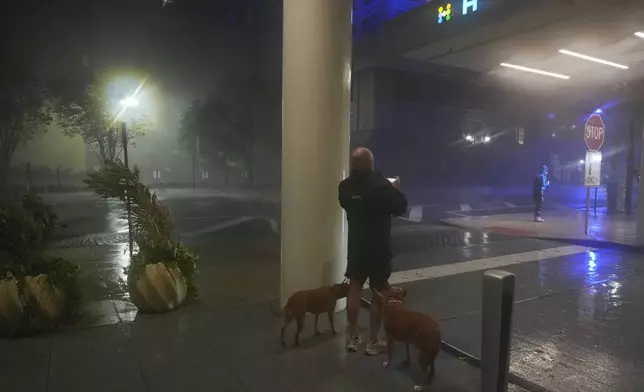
(539,186)
(370,200)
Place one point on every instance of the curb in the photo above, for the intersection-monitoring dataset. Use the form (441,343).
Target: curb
(591,243)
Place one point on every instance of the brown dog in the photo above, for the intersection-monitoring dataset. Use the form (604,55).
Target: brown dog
(418,329)
(316,301)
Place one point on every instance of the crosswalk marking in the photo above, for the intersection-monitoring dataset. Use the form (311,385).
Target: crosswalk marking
(484,264)
(416,214)
(215,228)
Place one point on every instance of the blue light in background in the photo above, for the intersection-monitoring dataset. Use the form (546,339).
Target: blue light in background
(592,262)
(599,111)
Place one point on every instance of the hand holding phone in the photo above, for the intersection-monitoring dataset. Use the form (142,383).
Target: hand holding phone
(395,181)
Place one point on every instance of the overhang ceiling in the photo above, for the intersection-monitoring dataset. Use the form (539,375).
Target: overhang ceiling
(533,38)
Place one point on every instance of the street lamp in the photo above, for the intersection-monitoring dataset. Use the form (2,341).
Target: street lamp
(129,102)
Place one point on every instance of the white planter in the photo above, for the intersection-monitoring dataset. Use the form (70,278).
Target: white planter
(158,288)
(11,307)
(49,300)
(45,302)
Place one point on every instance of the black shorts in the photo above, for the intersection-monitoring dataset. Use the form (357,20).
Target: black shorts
(378,273)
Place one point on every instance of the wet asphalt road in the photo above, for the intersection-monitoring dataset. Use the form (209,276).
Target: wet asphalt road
(577,315)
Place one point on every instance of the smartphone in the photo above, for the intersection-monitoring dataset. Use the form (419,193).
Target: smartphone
(392,179)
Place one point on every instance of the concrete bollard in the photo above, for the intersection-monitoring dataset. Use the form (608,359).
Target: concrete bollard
(498,299)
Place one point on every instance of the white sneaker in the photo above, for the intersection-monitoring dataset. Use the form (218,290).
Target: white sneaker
(538,219)
(375,348)
(353,343)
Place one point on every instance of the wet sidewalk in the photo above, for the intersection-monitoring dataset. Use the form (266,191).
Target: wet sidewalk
(568,299)
(228,341)
(565,225)
(204,348)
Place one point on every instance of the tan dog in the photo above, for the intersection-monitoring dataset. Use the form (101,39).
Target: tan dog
(409,327)
(316,301)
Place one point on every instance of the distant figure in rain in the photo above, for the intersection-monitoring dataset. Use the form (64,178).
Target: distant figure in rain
(540,185)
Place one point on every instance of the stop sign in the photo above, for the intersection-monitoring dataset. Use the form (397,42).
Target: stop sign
(594,133)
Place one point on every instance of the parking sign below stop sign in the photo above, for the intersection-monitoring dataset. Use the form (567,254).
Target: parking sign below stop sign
(594,132)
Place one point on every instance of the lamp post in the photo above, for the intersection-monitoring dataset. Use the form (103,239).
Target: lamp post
(123,132)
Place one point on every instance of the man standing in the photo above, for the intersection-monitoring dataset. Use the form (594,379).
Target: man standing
(540,185)
(370,200)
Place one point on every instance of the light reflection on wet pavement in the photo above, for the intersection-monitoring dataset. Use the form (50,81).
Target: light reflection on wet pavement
(576,320)
(576,327)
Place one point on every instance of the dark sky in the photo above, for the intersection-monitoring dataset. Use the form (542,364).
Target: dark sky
(187,44)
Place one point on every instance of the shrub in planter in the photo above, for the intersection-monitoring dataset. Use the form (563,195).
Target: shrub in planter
(36,292)
(162,273)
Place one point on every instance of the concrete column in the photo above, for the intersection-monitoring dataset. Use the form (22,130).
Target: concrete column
(315,141)
(640,198)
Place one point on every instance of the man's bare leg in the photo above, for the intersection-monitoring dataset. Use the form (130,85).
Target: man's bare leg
(375,316)
(353,307)
(376,346)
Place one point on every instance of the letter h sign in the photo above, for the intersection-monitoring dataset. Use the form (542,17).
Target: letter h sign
(470,4)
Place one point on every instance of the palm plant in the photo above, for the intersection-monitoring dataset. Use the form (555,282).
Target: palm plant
(151,223)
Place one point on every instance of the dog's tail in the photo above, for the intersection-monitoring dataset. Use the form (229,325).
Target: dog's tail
(287,317)
(276,310)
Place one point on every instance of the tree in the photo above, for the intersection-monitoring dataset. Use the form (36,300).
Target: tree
(86,113)
(24,113)
(204,132)
(229,122)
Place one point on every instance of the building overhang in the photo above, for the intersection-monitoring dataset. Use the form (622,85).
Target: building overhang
(524,33)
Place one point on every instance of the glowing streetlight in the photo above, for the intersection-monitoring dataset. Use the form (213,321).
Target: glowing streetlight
(129,102)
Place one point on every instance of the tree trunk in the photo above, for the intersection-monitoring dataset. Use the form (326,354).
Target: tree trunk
(102,152)
(5,166)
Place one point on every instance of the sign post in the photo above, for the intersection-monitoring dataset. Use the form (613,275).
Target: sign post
(156,174)
(594,136)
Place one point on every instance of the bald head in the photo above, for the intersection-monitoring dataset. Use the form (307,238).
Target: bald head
(362,159)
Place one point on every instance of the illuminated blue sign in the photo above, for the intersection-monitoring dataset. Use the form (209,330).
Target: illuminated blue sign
(470,4)
(446,12)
